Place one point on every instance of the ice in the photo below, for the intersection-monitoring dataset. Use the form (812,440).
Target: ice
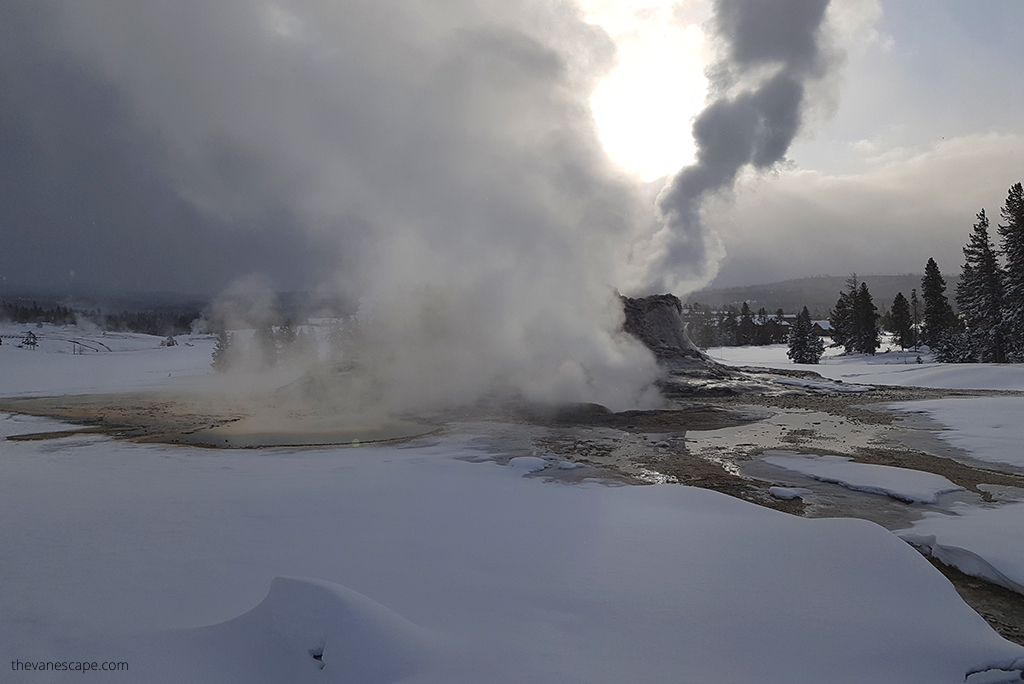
(913,486)
(980,541)
(789,493)
(988,428)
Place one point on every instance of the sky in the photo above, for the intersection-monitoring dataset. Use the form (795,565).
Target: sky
(383,149)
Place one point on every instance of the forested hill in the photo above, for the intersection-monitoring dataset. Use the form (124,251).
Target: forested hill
(818,294)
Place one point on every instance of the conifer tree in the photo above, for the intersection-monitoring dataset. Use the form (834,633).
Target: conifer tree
(938,314)
(1012,233)
(727,327)
(979,295)
(266,344)
(915,315)
(778,324)
(900,323)
(745,329)
(865,322)
(841,317)
(804,344)
(222,352)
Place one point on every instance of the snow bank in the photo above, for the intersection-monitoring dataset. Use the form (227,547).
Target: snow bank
(527,464)
(912,486)
(108,545)
(983,542)
(988,428)
(305,630)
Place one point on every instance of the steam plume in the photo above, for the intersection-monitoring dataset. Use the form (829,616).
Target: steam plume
(447,149)
(768,54)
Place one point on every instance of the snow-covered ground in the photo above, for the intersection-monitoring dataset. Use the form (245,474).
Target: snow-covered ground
(981,541)
(989,428)
(891,367)
(984,541)
(429,562)
(71,361)
(440,568)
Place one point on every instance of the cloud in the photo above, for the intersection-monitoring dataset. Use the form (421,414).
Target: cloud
(909,206)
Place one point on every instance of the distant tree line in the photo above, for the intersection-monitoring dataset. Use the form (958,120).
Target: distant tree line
(150,322)
(990,294)
(988,326)
(730,327)
(271,344)
(19,313)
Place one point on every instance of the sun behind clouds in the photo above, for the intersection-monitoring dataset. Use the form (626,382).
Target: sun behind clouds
(644,108)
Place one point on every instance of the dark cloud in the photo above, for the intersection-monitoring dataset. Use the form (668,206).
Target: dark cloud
(85,195)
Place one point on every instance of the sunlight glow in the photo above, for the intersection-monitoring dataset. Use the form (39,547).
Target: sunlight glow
(644,108)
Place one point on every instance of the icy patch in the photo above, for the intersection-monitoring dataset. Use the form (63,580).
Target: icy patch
(789,493)
(13,425)
(988,428)
(527,464)
(983,542)
(569,465)
(911,486)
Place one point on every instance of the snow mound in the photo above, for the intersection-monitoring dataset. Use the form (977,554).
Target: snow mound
(976,540)
(903,484)
(527,464)
(306,630)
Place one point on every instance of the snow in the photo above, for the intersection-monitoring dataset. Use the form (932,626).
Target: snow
(428,563)
(527,464)
(980,541)
(912,486)
(884,368)
(110,544)
(108,362)
(302,627)
(988,428)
